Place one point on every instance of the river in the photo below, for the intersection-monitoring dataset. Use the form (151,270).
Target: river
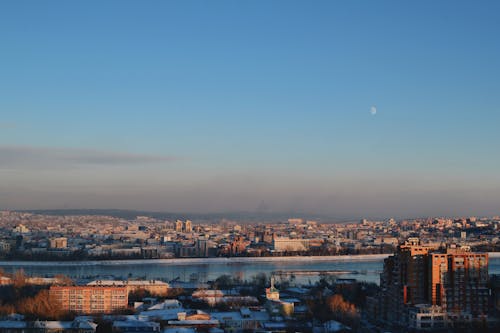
(363,268)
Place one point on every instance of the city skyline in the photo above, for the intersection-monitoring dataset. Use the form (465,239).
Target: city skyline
(342,109)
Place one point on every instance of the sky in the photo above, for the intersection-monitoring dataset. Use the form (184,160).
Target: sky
(344,108)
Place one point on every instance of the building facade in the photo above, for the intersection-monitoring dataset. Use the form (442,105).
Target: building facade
(403,281)
(89,299)
(459,283)
(282,244)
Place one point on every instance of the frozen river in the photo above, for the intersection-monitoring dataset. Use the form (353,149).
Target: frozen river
(364,267)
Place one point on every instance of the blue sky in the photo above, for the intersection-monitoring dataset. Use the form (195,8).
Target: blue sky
(238,105)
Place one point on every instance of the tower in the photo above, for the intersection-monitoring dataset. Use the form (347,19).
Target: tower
(272,293)
(188,226)
(178,226)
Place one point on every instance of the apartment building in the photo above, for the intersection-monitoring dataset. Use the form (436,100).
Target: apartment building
(459,283)
(90,299)
(154,287)
(425,287)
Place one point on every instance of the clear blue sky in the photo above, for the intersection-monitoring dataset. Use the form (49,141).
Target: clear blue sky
(251,105)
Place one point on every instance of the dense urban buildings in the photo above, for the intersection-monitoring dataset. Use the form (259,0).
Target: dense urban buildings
(424,287)
(437,277)
(52,237)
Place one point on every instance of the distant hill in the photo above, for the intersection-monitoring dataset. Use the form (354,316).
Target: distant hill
(237,216)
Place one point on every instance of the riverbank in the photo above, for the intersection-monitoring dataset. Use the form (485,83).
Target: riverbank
(200,261)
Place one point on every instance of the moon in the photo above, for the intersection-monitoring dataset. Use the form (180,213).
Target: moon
(373,110)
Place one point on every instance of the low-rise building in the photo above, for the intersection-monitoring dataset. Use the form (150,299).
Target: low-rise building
(141,326)
(427,317)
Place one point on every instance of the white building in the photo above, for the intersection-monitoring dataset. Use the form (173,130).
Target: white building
(282,244)
(427,317)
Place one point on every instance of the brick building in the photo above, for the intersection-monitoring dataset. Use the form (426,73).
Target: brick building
(422,285)
(89,299)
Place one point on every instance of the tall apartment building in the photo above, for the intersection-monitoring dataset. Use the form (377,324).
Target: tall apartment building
(459,283)
(403,280)
(89,299)
(178,226)
(202,245)
(58,243)
(188,226)
(424,287)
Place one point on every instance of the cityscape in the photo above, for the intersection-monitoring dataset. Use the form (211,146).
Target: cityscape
(29,236)
(432,274)
(278,166)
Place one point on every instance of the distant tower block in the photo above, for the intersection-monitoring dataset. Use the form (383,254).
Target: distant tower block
(188,226)
(178,226)
(59,243)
